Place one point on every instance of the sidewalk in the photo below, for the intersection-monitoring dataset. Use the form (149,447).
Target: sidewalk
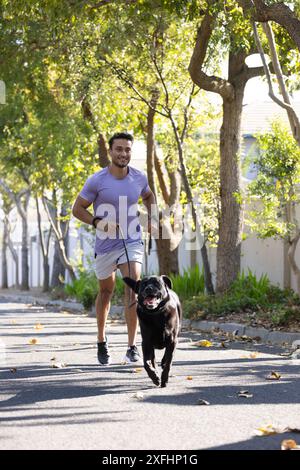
(35,296)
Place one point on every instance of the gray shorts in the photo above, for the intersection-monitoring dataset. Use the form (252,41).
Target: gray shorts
(107,263)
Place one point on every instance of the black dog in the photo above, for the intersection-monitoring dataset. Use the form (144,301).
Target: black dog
(159,312)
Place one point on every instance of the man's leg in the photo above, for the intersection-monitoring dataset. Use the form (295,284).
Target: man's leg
(130,300)
(106,289)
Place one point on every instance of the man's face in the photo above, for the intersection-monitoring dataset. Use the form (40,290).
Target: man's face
(121,152)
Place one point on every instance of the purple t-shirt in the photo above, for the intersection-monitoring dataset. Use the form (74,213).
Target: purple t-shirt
(116,200)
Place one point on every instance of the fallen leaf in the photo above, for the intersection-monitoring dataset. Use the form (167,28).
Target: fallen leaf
(136,371)
(203,402)
(289,444)
(189,377)
(38,326)
(252,355)
(273,376)
(268,430)
(33,341)
(246,338)
(13,370)
(58,365)
(138,395)
(203,343)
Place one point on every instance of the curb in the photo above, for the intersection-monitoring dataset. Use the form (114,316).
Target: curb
(260,334)
(74,306)
(238,329)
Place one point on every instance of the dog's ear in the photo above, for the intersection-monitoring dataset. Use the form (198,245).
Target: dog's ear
(167,281)
(134,285)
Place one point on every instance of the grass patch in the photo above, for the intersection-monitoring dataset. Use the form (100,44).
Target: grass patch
(188,284)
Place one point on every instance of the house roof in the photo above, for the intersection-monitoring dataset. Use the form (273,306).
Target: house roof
(257,117)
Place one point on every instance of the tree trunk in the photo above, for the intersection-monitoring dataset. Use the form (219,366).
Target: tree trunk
(167,258)
(44,246)
(51,210)
(206,266)
(4,282)
(231,220)
(58,269)
(25,266)
(16,260)
(46,269)
(150,141)
(104,159)
(291,254)
(167,248)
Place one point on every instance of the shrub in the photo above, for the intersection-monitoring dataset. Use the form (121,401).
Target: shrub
(189,284)
(85,289)
(248,293)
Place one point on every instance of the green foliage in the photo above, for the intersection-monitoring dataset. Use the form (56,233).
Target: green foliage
(203,162)
(85,289)
(247,293)
(278,167)
(190,283)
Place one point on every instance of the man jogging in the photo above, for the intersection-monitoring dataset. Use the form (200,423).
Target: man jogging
(114,192)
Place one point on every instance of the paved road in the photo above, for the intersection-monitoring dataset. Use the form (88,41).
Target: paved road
(83,406)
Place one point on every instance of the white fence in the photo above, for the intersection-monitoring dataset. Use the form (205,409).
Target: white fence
(261,256)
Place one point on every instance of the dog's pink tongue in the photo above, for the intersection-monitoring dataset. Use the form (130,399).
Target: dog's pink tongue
(149,300)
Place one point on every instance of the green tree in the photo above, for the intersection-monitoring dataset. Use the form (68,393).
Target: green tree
(227,27)
(274,196)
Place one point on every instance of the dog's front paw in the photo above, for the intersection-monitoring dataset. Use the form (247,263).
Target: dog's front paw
(156,380)
(164,378)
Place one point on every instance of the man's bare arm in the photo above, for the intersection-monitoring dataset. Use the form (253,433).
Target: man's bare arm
(80,210)
(150,204)
(153,215)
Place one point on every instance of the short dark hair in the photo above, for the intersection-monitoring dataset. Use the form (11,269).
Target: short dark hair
(120,135)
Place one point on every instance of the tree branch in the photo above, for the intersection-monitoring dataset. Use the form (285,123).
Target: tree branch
(293,118)
(272,95)
(278,12)
(103,3)
(255,72)
(200,78)
(122,75)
